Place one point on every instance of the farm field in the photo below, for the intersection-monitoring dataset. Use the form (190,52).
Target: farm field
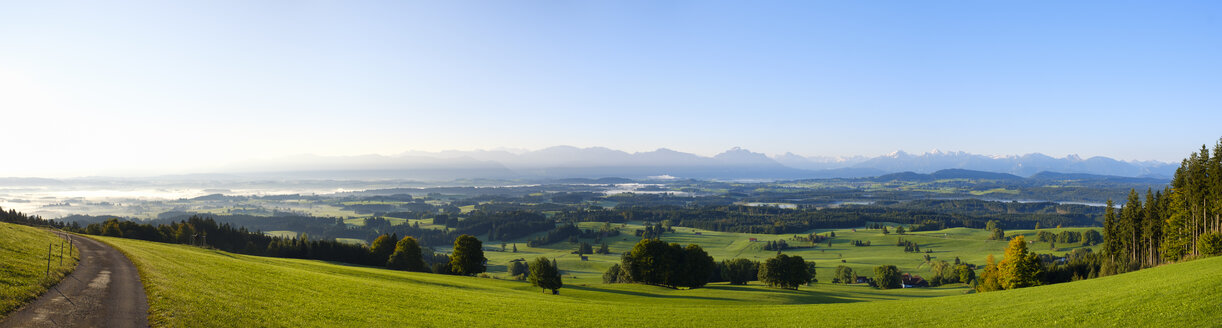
(190,286)
(23,273)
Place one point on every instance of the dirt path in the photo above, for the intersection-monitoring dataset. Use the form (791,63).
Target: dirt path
(103,291)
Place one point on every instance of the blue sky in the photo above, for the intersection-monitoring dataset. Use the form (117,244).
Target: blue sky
(144,87)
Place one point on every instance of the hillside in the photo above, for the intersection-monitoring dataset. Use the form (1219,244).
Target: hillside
(23,273)
(189,286)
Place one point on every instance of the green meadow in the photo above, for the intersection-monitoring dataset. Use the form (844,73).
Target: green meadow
(189,286)
(23,271)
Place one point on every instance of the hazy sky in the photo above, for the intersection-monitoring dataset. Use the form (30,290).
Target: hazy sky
(174,86)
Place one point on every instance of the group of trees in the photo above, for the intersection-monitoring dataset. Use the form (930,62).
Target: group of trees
(1079,264)
(571,233)
(844,275)
(1018,269)
(1088,238)
(1194,211)
(204,231)
(518,269)
(407,256)
(737,271)
(13,216)
(994,229)
(1179,222)
(950,273)
(787,272)
(653,231)
(887,277)
(386,250)
(654,262)
(776,245)
(545,274)
(909,246)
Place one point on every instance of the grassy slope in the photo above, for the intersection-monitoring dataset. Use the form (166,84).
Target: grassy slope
(194,287)
(23,271)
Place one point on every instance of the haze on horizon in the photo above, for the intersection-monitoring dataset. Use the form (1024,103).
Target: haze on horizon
(145,88)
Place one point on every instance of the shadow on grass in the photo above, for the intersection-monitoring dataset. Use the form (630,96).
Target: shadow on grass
(624,292)
(801,296)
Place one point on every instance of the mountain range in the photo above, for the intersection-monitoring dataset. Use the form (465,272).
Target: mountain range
(563,162)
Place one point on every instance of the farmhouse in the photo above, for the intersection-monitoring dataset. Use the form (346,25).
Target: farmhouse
(912,281)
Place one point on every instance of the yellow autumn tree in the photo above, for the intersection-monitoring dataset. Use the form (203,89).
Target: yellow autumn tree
(1019,268)
(988,280)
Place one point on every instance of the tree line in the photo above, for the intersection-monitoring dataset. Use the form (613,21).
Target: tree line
(1180,222)
(655,262)
(387,250)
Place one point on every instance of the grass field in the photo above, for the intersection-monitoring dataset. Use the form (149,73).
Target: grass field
(23,271)
(190,286)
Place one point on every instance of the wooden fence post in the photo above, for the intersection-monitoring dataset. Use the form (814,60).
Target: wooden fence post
(61,253)
(49,246)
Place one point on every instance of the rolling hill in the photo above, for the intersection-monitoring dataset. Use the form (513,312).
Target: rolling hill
(190,286)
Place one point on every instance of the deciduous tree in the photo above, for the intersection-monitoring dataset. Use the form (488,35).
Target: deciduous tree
(887,277)
(544,275)
(468,258)
(407,256)
(1019,268)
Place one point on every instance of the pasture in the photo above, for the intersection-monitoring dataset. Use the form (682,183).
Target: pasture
(189,286)
(23,271)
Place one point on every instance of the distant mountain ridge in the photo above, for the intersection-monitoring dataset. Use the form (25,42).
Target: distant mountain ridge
(564,162)
(982,175)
